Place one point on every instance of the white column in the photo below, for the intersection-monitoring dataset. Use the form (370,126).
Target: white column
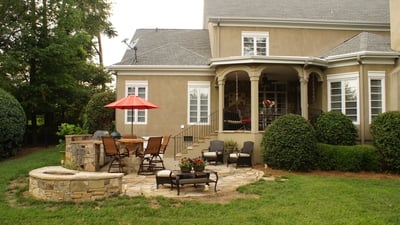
(254,78)
(304,95)
(221,88)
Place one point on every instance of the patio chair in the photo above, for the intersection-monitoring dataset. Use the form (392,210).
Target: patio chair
(244,157)
(151,157)
(111,150)
(215,152)
(164,143)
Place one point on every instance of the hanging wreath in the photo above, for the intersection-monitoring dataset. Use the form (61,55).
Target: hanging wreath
(268,103)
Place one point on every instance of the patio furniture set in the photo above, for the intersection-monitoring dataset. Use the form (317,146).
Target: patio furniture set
(151,160)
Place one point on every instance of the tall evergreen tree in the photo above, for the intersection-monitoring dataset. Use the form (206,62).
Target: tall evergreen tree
(47,57)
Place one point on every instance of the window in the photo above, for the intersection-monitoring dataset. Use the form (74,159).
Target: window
(343,95)
(198,102)
(138,88)
(255,43)
(376,82)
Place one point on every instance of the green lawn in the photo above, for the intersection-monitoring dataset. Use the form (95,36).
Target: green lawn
(298,200)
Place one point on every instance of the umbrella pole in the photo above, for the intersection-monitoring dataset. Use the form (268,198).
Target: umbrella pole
(132,122)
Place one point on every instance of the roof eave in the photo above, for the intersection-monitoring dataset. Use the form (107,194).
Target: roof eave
(298,60)
(298,23)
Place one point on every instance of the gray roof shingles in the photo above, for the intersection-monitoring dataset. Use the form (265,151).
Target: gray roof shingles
(375,11)
(364,41)
(192,47)
(169,47)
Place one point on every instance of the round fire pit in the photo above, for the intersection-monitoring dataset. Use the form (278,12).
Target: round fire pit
(56,183)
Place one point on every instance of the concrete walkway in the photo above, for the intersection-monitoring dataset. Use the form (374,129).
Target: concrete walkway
(229,179)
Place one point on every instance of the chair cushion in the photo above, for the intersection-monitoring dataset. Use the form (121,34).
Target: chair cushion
(233,155)
(210,154)
(244,154)
(163,173)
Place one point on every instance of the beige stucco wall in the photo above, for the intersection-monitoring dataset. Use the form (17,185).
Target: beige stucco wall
(170,93)
(395,24)
(282,41)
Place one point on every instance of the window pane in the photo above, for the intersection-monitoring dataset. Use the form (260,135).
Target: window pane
(376,97)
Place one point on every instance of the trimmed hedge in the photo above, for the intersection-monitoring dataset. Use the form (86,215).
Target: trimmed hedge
(289,143)
(353,158)
(385,129)
(12,125)
(335,128)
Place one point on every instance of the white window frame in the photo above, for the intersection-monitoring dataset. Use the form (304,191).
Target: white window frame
(256,36)
(343,78)
(204,86)
(376,75)
(136,84)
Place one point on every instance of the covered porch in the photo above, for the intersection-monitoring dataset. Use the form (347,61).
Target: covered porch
(253,93)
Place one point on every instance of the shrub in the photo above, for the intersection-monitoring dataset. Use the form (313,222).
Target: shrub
(12,125)
(289,143)
(353,158)
(385,131)
(335,128)
(96,116)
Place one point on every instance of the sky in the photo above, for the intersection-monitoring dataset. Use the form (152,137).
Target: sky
(129,15)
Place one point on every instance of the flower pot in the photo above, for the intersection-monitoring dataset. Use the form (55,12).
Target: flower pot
(186,169)
(199,168)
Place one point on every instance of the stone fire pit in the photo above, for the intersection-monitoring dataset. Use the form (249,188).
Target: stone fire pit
(56,183)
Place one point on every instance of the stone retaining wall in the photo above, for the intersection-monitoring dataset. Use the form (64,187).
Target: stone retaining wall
(57,183)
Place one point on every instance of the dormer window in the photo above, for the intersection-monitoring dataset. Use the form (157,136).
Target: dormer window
(255,43)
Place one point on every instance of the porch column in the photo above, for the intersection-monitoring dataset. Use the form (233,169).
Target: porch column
(221,88)
(254,78)
(304,95)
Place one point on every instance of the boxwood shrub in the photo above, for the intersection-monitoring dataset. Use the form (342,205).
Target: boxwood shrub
(335,128)
(353,158)
(96,116)
(12,125)
(289,143)
(385,129)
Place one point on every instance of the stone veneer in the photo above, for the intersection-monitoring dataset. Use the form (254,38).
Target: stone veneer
(56,183)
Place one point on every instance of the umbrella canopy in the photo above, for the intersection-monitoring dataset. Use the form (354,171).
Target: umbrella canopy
(132,102)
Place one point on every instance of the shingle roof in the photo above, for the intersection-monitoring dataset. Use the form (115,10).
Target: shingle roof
(376,11)
(364,41)
(169,47)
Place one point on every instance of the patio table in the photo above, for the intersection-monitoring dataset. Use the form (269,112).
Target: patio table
(194,178)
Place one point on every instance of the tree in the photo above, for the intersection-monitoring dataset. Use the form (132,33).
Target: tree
(47,53)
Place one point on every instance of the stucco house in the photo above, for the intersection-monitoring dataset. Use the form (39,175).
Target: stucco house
(306,57)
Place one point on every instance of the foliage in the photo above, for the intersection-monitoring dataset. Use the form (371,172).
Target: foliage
(186,162)
(289,143)
(69,129)
(335,128)
(47,56)
(12,125)
(230,144)
(386,137)
(353,158)
(96,116)
(328,200)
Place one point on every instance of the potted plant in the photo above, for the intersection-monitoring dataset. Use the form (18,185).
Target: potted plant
(186,165)
(198,164)
(230,146)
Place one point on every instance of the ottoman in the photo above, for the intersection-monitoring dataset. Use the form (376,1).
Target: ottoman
(163,177)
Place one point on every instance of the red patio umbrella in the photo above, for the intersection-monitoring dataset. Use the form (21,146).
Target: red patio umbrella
(132,102)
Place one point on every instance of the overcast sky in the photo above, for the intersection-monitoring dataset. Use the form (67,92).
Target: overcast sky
(129,15)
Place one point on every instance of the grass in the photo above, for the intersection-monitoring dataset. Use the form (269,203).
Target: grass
(298,199)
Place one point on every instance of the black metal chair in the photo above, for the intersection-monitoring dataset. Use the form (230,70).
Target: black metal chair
(111,150)
(244,157)
(215,152)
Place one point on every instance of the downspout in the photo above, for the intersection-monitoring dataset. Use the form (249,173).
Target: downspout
(362,99)
(218,39)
